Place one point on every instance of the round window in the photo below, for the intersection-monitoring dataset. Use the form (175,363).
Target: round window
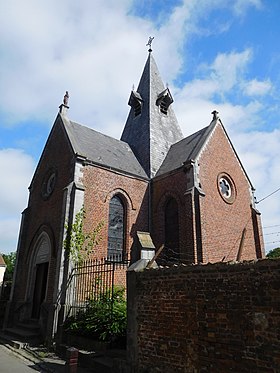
(48,184)
(226,188)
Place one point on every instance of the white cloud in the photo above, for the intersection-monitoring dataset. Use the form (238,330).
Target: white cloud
(257,88)
(229,67)
(16,170)
(9,229)
(241,6)
(260,154)
(94,51)
(197,99)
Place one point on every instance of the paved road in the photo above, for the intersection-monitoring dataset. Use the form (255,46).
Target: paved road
(11,363)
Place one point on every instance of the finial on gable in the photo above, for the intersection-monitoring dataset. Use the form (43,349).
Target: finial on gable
(150,43)
(66,98)
(215,114)
(64,107)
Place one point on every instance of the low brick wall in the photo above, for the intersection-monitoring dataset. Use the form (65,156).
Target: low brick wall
(205,318)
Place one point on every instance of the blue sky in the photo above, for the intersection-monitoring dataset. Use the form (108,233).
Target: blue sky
(214,54)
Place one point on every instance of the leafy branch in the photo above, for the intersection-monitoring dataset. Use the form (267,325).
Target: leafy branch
(80,245)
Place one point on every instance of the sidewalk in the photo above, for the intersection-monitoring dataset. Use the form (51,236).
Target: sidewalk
(39,356)
(11,363)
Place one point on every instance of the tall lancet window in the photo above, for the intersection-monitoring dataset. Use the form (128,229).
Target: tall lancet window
(116,229)
(171,250)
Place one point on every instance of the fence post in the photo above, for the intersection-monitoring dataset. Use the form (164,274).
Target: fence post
(71,364)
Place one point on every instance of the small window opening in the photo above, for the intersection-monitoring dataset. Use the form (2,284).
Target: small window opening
(137,109)
(163,107)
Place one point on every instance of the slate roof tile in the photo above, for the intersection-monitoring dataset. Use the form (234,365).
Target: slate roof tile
(184,150)
(102,149)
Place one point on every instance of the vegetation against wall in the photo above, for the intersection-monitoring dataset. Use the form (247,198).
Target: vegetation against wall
(103,319)
(78,243)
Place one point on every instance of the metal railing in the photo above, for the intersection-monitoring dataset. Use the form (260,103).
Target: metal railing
(90,281)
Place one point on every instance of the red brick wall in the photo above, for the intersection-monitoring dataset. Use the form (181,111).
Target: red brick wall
(175,186)
(45,214)
(205,318)
(100,186)
(210,229)
(222,223)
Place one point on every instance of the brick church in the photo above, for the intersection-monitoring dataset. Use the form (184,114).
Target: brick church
(191,194)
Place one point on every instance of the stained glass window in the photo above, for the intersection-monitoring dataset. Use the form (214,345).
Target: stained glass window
(116,228)
(171,230)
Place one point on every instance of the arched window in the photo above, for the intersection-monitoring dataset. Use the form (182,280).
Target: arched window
(171,230)
(116,229)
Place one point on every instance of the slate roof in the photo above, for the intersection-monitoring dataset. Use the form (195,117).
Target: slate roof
(185,150)
(102,149)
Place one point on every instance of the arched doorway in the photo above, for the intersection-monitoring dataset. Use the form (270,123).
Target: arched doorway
(41,268)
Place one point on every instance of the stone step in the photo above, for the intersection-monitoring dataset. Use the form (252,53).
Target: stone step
(23,333)
(25,336)
(29,326)
(12,341)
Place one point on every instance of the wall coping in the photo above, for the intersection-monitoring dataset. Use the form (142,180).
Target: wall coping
(230,266)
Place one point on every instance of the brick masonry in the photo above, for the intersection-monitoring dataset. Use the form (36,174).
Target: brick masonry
(210,228)
(44,215)
(222,223)
(100,186)
(206,318)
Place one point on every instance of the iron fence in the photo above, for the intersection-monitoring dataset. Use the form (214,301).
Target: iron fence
(91,281)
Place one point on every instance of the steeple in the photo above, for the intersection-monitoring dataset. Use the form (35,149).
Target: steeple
(151,127)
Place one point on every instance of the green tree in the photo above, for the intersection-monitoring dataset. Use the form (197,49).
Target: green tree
(274,253)
(78,243)
(10,260)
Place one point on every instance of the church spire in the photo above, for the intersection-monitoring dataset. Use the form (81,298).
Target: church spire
(151,127)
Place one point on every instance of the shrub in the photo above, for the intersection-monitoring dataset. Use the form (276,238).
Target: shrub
(103,319)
